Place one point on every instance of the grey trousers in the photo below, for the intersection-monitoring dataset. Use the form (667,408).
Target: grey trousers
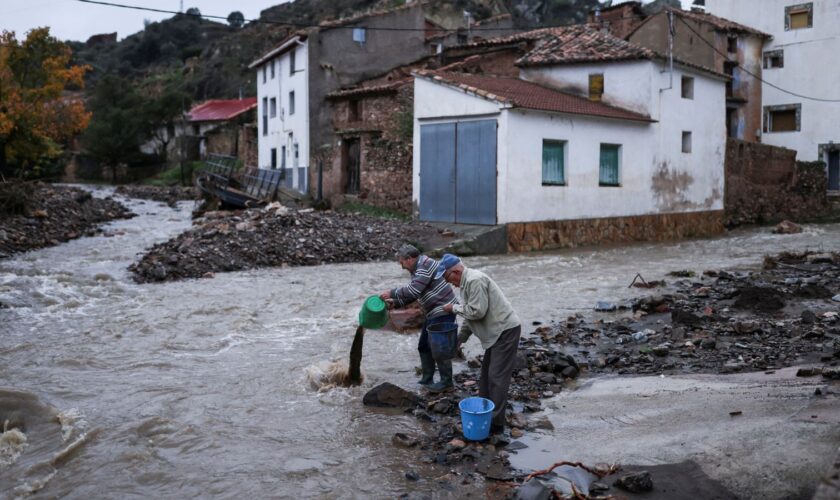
(496,369)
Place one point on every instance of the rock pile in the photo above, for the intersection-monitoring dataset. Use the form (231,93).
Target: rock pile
(56,214)
(274,236)
(169,195)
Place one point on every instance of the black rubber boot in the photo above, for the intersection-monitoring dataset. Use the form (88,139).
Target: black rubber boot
(445,383)
(427,365)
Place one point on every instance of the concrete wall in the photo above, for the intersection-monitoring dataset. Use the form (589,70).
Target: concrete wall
(809,68)
(766,184)
(285,129)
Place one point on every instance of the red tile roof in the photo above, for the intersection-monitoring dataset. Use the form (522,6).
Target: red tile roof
(718,22)
(523,94)
(582,43)
(221,109)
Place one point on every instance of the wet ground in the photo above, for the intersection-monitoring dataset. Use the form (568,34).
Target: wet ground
(199,388)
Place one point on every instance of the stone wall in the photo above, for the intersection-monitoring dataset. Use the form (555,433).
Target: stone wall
(765,184)
(548,235)
(386,174)
(248,150)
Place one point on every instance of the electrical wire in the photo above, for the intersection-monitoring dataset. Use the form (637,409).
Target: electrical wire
(818,99)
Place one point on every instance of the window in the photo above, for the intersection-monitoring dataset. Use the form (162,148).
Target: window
(553,163)
(436,48)
(608,175)
(359,35)
(774,59)
(729,70)
(462,39)
(273,158)
(687,87)
(732,44)
(291,103)
(283,157)
(686,142)
(272,69)
(292,62)
(799,17)
(265,115)
(354,110)
(297,155)
(596,87)
(785,118)
(273,108)
(265,74)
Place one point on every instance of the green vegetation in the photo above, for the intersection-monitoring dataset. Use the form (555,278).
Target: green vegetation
(371,211)
(173,176)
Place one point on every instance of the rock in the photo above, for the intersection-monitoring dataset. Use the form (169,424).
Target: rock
(516,433)
(603,306)
(831,373)
(836,298)
(40,214)
(763,299)
(534,489)
(570,372)
(457,444)
(787,227)
(404,440)
(387,395)
(662,350)
(444,406)
(412,476)
(808,317)
(597,488)
(685,317)
(708,344)
(638,482)
(809,372)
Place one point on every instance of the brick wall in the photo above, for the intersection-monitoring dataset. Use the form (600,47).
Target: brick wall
(548,235)
(765,184)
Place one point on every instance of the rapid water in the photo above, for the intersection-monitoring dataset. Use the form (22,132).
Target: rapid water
(199,388)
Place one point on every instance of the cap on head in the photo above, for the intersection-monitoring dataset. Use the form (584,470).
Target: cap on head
(447,262)
(407,251)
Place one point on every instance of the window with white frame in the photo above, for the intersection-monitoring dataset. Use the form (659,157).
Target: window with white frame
(799,16)
(272,107)
(553,163)
(774,59)
(272,69)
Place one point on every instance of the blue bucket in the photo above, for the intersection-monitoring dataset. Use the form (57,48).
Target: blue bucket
(443,340)
(476,417)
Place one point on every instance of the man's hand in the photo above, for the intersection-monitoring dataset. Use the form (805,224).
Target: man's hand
(448,308)
(386,295)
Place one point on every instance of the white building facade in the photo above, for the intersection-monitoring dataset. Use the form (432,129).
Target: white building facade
(653,145)
(283,111)
(800,60)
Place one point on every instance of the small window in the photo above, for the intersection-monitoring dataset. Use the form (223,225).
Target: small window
(553,163)
(283,157)
(292,62)
(799,17)
(732,44)
(272,69)
(774,59)
(265,115)
(784,118)
(462,39)
(291,103)
(354,110)
(608,175)
(273,158)
(436,48)
(265,74)
(359,35)
(687,87)
(686,142)
(596,87)
(273,108)
(297,155)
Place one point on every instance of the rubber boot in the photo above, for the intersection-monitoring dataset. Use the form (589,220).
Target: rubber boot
(427,365)
(445,383)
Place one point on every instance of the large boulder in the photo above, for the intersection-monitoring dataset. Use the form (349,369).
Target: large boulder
(387,395)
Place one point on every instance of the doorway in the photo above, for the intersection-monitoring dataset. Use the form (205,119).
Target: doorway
(352,166)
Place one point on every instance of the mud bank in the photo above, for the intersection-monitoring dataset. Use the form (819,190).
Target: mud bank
(53,215)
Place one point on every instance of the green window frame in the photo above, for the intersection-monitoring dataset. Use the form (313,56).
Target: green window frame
(553,163)
(609,164)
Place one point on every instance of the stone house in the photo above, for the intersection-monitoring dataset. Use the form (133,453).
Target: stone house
(800,101)
(294,79)
(589,144)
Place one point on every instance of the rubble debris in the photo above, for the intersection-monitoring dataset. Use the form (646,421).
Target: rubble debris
(170,195)
(387,395)
(787,227)
(637,482)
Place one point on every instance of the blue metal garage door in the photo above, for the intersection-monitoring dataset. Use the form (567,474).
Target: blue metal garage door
(458,172)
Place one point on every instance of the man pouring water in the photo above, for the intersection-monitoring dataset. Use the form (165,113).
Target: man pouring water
(489,316)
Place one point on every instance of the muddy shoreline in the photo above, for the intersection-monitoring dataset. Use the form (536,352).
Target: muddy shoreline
(781,315)
(169,195)
(56,214)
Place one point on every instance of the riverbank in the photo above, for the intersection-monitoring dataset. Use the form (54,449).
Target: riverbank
(275,236)
(52,215)
(714,322)
(170,195)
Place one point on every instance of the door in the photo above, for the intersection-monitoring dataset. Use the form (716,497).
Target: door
(834,170)
(352,160)
(458,172)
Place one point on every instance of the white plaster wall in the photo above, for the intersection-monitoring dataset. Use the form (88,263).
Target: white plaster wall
(281,125)
(809,67)
(626,84)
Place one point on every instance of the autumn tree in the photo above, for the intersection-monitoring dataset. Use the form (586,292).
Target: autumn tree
(38,110)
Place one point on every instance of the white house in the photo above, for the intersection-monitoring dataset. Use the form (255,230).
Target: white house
(801,99)
(597,141)
(283,110)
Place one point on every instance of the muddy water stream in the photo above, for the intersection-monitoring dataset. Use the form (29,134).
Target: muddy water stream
(199,388)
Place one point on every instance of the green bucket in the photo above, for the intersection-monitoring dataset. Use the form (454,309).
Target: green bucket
(374,314)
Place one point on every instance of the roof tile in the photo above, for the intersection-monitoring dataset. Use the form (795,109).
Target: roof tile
(221,109)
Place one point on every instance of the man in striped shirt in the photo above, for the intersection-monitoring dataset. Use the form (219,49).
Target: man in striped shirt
(432,292)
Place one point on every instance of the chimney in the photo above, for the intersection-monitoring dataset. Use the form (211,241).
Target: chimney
(698,6)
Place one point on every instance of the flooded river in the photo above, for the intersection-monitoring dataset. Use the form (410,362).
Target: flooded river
(199,388)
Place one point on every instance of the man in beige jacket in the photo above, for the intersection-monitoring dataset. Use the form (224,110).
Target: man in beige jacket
(489,316)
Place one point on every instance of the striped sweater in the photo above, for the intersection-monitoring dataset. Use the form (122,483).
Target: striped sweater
(431,293)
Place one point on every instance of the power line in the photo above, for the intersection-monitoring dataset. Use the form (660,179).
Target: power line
(752,74)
